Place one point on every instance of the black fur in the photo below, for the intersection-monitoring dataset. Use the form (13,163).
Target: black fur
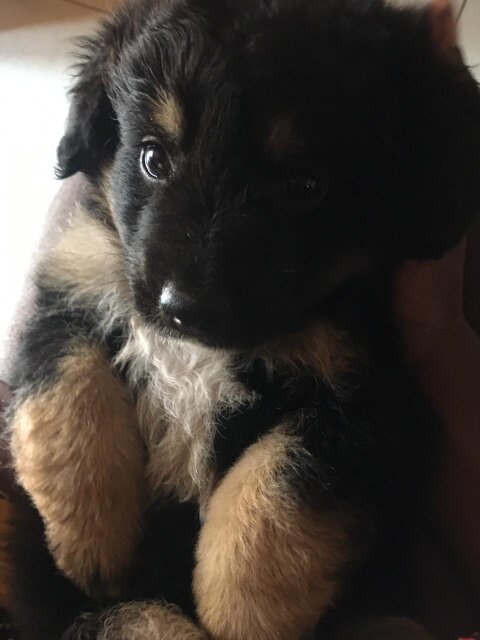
(166,555)
(50,334)
(389,127)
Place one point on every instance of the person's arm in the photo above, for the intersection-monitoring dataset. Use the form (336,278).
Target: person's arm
(444,352)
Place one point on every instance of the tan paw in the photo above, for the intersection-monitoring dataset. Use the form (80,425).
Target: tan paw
(95,558)
(79,455)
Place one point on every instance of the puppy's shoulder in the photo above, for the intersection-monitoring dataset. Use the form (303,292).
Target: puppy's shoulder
(85,265)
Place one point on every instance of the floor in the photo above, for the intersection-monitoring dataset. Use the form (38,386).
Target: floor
(35,51)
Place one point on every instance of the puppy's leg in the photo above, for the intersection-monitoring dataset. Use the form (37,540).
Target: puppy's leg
(267,563)
(78,454)
(136,621)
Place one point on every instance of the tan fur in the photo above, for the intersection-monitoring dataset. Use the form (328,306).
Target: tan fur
(6,512)
(88,263)
(321,346)
(77,452)
(168,115)
(282,138)
(88,257)
(266,565)
(104,195)
(147,621)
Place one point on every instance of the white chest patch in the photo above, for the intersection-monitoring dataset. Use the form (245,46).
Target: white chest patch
(180,388)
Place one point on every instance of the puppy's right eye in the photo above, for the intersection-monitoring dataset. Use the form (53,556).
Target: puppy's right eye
(155,162)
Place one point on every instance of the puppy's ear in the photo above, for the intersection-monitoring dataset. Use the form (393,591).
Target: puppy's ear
(91,128)
(92,133)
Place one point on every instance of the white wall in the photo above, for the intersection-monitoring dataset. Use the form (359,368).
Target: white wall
(470,34)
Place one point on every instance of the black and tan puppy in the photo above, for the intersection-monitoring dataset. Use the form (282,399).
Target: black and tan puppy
(212,364)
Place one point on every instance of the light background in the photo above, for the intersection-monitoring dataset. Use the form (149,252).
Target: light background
(35,45)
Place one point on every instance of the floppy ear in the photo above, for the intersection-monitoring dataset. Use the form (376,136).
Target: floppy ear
(91,130)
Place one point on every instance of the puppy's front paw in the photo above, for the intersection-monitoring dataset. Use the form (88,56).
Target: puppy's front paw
(95,558)
(79,455)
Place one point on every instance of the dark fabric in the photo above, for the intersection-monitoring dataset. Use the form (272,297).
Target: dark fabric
(472,279)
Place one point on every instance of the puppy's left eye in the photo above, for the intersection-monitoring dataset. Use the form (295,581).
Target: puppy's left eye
(155,162)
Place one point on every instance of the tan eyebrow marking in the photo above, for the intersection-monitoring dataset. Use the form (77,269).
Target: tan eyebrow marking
(168,114)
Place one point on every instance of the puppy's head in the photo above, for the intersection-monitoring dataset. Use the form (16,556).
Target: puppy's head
(264,154)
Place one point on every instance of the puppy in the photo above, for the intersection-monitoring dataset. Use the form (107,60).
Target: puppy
(212,410)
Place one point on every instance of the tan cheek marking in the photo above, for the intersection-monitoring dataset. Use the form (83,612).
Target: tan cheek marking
(168,115)
(282,139)
(266,565)
(78,453)
(105,192)
(321,346)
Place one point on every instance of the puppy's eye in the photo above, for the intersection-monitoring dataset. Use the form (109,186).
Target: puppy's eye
(300,186)
(155,162)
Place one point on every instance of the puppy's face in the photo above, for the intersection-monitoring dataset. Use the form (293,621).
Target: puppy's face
(267,159)
(245,184)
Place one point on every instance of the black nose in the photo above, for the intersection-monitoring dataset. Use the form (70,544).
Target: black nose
(186,311)
(176,305)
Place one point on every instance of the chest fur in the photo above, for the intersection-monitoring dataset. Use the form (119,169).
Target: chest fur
(181,388)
